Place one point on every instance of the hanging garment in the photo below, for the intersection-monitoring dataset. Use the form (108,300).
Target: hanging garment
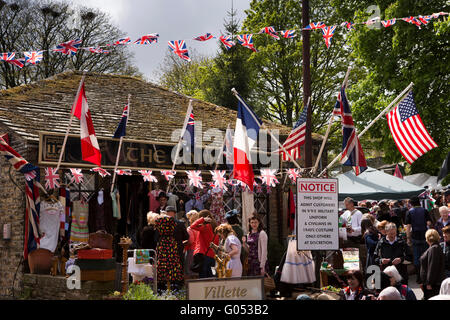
(248,209)
(115,198)
(298,267)
(80,217)
(169,265)
(216,207)
(100,213)
(50,217)
(173,200)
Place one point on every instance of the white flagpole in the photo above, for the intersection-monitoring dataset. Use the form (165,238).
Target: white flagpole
(268,130)
(70,123)
(344,84)
(120,147)
(186,119)
(400,96)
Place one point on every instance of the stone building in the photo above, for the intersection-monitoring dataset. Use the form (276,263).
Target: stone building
(35,117)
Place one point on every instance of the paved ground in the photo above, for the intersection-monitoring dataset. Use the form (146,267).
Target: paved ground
(415,287)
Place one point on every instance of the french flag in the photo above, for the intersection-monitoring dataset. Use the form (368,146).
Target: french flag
(245,137)
(90,150)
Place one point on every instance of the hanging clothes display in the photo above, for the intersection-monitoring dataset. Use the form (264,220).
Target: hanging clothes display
(299,266)
(50,218)
(115,198)
(100,212)
(64,198)
(248,209)
(80,216)
(217,205)
(173,200)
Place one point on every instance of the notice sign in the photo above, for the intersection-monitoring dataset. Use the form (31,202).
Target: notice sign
(248,288)
(317,214)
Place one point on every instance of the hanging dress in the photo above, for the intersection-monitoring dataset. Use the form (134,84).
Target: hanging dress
(169,265)
(216,207)
(298,267)
(50,218)
(80,215)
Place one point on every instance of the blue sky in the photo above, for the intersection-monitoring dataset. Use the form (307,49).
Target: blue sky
(172,19)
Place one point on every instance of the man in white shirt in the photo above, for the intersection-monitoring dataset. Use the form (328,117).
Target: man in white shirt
(352,218)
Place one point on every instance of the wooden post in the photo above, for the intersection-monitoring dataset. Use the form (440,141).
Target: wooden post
(125,244)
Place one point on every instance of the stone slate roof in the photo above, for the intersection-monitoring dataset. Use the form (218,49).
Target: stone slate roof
(154,113)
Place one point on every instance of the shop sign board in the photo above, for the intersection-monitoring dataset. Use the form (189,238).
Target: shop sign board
(317,214)
(246,288)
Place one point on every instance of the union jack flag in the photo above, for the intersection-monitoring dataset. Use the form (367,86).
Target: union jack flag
(271,32)
(7,56)
(436,15)
(207,36)
(97,50)
(102,172)
(413,21)
(288,34)
(268,177)
(148,39)
(425,19)
(122,41)
(328,33)
(227,42)
(352,153)
(17,62)
(371,21)
(388,23)
(168,174)
(246,40)
(147,175)
(51,178)
(348,25)
(33,57)
(195,178)
(125,172)
(219,179)
(77,176)
(179,48)
(293,174)
(69,47)
(315,25)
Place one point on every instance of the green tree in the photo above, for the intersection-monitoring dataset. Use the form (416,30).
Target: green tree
(392,58)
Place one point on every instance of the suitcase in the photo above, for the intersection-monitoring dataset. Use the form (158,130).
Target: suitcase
(98,275)
(95,254)
(101,239)
(96,264)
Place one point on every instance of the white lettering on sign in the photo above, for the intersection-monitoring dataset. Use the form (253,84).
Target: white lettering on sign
(317,214)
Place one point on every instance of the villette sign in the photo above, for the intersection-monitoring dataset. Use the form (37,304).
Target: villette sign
(247,288)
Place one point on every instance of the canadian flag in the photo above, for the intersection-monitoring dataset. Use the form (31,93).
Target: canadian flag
(90,149)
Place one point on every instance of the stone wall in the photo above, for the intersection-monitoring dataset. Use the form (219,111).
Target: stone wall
(47,287)
(12,211)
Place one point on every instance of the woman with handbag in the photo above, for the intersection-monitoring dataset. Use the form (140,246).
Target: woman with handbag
(203,254)
(257,243)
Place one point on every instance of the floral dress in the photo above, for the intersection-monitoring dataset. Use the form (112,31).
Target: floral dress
(169,266)
(254,265)
(216,207)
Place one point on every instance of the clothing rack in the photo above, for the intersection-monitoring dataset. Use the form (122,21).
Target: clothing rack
(154,260)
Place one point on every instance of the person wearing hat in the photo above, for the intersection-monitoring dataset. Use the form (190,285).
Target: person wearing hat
(233,220)
(162,199)
(181,235)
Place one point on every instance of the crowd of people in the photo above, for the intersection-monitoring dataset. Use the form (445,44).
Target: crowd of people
(186,248)
(391,235)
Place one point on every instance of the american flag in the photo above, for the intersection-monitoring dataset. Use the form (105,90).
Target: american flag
(413,21)
(168,174)
(219,179)
(70,47)
(288,34)
(227,42)
(409,132)
(246,40)
(51,178)
(207,36)
(296,138)
(7,56)
(17,62)
(388,23)
(148,39)
(102,172)
(352,153)
(268,177)
(33,57)
(328,33)
(77,176)
(271,32)
(179,48)
(147,175)
(195,178)
(315,25)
